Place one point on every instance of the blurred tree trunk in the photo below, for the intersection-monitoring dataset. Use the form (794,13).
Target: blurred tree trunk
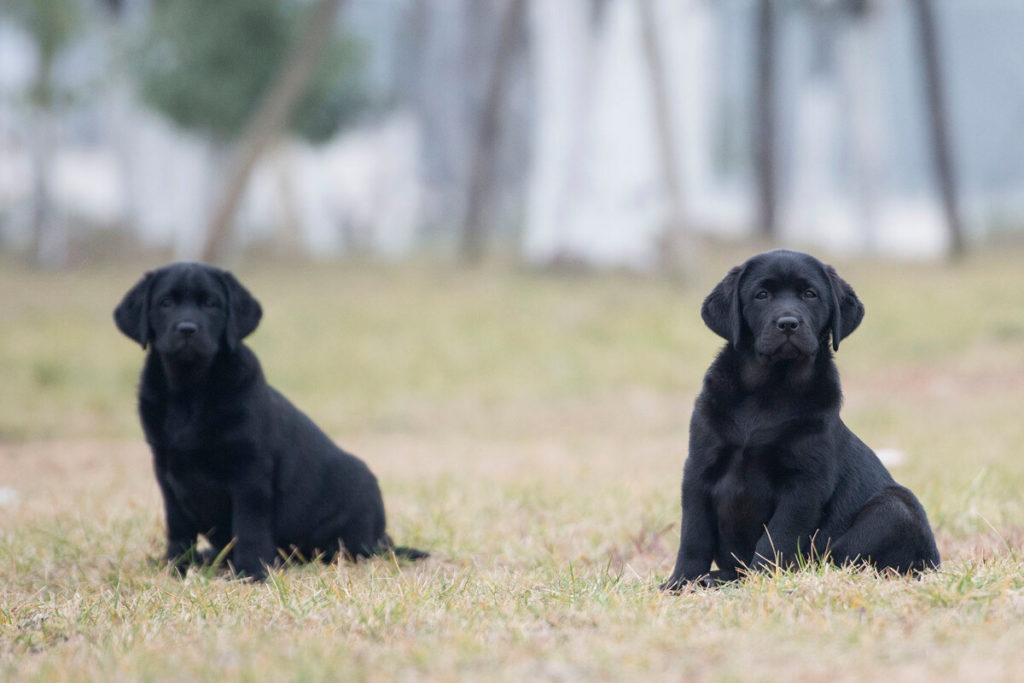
(414,35)
(288,231)
(268,123)
(677,243)
(52,25)
(481,170)
(48,247)
(942,155)
(764,125)
(860,45)
(116,26)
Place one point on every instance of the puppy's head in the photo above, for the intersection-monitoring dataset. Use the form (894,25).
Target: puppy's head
(782,305)
(189,312)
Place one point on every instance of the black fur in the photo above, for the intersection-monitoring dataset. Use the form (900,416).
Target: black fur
(234,459)
(773,474)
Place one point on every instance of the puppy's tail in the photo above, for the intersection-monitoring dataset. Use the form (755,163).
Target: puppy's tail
(407,553)
(404,552)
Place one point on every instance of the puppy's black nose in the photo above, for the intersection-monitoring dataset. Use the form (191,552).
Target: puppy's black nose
(787,323)
(186,328)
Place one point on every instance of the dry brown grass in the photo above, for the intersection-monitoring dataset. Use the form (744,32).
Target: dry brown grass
(530,431)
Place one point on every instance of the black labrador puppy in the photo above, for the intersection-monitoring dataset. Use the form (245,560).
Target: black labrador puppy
(234,459)
(773,474)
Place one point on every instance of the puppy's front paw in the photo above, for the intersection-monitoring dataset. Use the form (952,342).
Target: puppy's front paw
(707,581)
(675,584)
(249,571)
(179,563)
(178,569)
(678,584)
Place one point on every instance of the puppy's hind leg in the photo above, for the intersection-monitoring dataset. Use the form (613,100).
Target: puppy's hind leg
(358,539)
(892,532)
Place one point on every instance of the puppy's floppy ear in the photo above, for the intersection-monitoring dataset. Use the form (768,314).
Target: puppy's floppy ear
(244,312)
(721,310)
(132,315)
(847,310)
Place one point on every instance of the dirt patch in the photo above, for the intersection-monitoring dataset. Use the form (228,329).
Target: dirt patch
(55,476)
(982,546)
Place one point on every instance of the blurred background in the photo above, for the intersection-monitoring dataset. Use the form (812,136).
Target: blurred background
(606,161)
(613,133)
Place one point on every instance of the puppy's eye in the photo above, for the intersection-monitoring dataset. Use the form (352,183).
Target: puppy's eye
(761,294)
(209,302)
(165,302)
(810,294)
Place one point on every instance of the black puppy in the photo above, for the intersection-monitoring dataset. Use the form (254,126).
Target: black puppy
(773,474)
(235,460)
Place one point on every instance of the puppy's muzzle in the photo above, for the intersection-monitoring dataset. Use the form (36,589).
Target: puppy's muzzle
(787,324)
(186,328)
(185,341)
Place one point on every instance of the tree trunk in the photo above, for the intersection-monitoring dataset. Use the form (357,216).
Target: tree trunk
(942,156)
(861,49)
(268,122)
(48,246)
(49,242)
(764,126)
(481,170)
(676,247)
(288,233)
(410,53)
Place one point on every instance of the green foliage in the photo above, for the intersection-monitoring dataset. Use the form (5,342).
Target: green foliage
(207,64)
(52,24)
(336,95)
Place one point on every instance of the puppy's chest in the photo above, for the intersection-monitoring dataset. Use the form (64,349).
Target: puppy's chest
(189,427)
(752,424)
(196,438)
(744,482)
(186,428)
(202,480)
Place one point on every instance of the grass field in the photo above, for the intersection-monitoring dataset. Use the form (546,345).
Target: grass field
(529,429)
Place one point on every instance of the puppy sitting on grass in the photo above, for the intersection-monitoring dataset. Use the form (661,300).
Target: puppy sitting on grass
(234,459)
(773,474)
